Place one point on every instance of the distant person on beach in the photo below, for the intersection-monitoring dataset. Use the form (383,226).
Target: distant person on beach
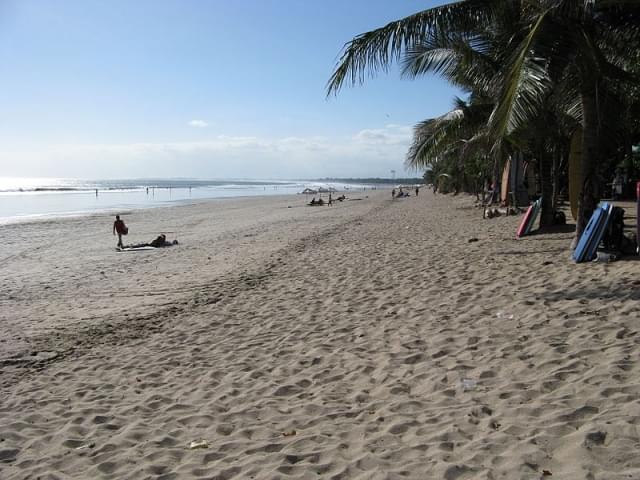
(120,229)
(417,191)
(495,192)
(393,193)
(617,185)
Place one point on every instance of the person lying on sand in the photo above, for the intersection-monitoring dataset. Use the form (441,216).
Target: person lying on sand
(158,242)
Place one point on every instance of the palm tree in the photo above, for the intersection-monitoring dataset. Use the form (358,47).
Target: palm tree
(454,143)
(575,44)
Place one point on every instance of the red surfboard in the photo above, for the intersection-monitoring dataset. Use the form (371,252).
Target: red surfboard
(529,219)
(525,221)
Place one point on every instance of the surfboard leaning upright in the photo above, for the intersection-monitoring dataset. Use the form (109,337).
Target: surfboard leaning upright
(529,219)
(504,188)
(537,206)
(525,221)
(592,235)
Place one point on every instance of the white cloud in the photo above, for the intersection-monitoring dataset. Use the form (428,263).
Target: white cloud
(371,152)
(389,135)
(198,123)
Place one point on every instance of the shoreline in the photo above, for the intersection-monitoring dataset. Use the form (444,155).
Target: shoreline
(45,217)
(169,204)
(339,342)
(71,201)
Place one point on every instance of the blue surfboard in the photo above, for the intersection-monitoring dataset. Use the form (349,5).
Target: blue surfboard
(592,235)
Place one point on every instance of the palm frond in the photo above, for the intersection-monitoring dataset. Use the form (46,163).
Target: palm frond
(525,86)
(447,135)
(455,59)
(378,49)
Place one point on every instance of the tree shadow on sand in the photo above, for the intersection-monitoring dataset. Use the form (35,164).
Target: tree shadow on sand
(624,292)
(532,252)
(556,229)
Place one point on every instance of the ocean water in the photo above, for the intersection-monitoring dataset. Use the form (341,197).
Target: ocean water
(24,199)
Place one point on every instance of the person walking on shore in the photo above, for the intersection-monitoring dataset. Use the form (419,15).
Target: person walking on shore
(120,229)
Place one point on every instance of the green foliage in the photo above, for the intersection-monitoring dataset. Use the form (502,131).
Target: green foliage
(531,69)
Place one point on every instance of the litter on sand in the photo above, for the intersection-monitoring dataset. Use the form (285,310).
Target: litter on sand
(468,384)
(198,444)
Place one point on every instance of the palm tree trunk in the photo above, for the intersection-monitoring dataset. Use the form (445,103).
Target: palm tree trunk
(546,187)
(495,198)
(588,198)
(555,176)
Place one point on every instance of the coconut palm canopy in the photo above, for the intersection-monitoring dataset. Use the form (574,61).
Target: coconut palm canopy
(535,72)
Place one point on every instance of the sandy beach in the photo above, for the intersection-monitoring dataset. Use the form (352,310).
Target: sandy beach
(375,339)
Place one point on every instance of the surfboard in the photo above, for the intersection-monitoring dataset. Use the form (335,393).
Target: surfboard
(134,249)
(537,205)
(525,221)
(504,190)
(575,171)
(579,254)
(592,235)
(597,238)
(529,219)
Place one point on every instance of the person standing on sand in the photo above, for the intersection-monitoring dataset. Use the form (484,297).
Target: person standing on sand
(119,228)
(417,191)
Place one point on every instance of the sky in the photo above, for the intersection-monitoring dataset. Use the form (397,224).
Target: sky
(201,89)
